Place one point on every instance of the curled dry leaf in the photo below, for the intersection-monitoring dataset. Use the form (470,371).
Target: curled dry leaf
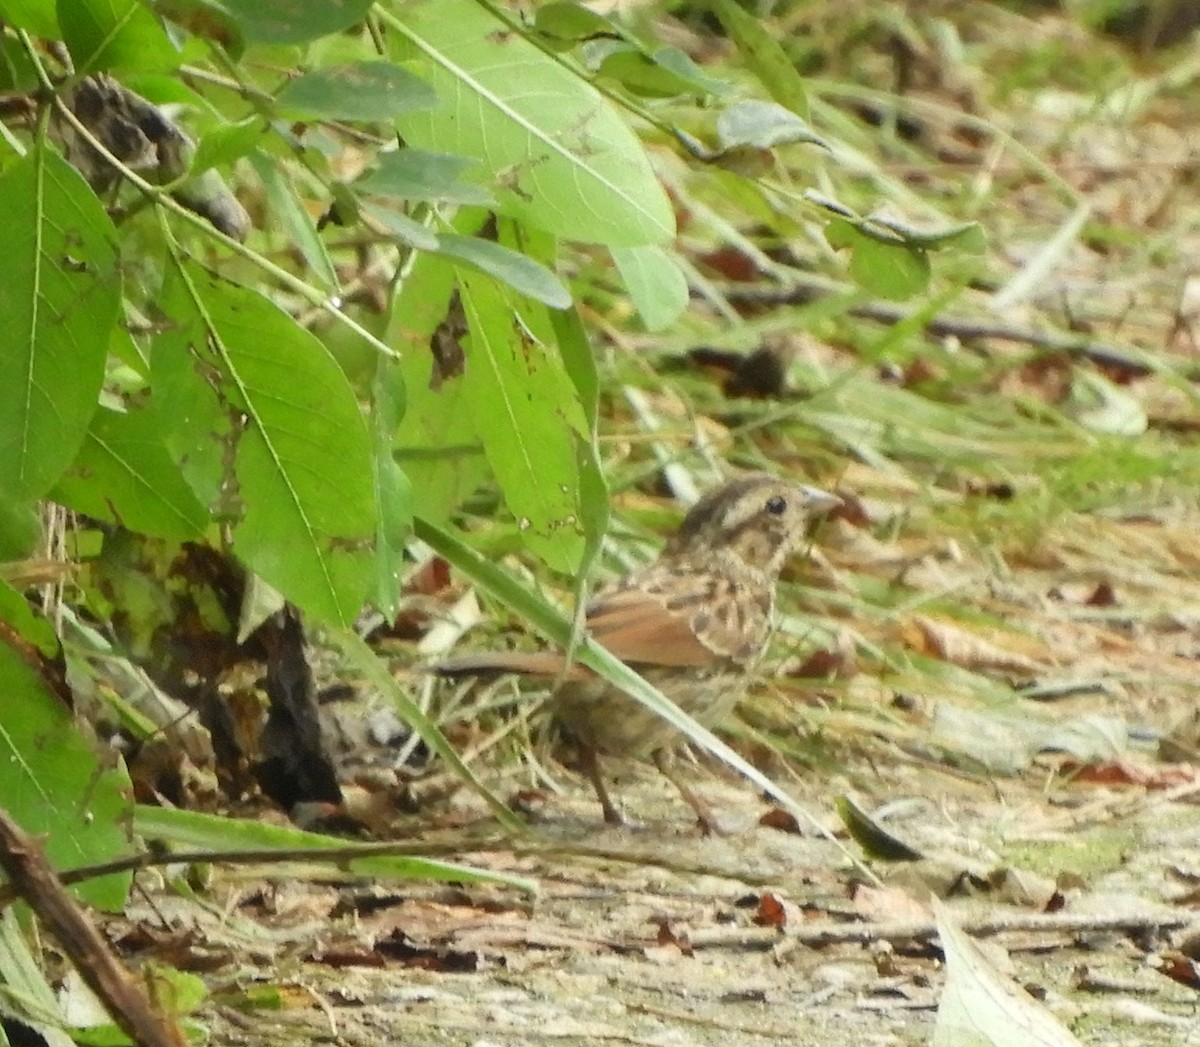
(774,910)
(955,643)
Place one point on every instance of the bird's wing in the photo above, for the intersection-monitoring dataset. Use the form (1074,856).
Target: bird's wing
(675,619)
(641,629)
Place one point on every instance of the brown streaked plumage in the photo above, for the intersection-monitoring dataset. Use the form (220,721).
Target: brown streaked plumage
(693,622)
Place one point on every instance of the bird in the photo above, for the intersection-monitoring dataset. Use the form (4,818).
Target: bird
(694,622)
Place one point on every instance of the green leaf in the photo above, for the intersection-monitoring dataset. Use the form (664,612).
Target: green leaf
(666,73)
(282,21)
(60,294)
(17,71)
(209,832)
(16,613)
(567,23)
(436,442)
(38,17)
(207,20)
(356,91)
(892,270)
(294,217)
(53,785)
(876,841)
(123,475)
(520,272)
(226,143)
(115,34)
(654,282)
(267,430)
(413,174)
(579,361)
(393,492)
(528,416)
(401,228)
(763,55)
(560,157)
(20,529)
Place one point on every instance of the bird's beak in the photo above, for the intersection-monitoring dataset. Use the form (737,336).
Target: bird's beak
(819,502)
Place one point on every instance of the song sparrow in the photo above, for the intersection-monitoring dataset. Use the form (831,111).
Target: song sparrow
(693,622)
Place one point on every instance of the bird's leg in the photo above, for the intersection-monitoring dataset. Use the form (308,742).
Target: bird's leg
(591,767)
(705,817)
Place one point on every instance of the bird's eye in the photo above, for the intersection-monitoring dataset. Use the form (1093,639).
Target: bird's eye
(776,504)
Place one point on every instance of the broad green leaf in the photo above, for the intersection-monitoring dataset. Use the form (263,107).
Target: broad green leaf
(529,419)
(210,832)
(763,54)
(356,91)
(115,34)
(664,74)
(39,17)
(560,157)
(569,23)
(59,298)
(654,282)
(564,328)
(888,256)
(18,615)
(207,20)
(123,475)
(875,841)
(278,21)
(17,71)
(893,270)
(20,529)
(413,174)
(437,443)
(54,786)
(520,272)
(267,430)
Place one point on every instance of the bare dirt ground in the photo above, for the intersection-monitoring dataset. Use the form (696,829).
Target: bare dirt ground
(714,940)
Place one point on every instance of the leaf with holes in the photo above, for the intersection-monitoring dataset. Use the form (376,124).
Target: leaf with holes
(560,157)
(267,431)
(59,296)
(529,418)
(124,475)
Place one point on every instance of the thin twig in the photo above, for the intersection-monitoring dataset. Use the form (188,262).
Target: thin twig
(800,292)
(816,935)
(350,852)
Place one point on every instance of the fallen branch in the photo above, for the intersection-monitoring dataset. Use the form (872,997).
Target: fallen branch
(1126,359)
(34,880)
